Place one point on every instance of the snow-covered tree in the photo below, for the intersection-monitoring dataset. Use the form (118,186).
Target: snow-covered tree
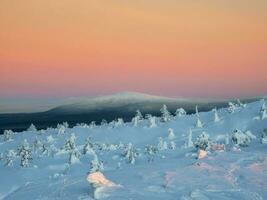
(165,114)
(130,153)
(25,152)
(104,122)
(8,135)
(37,145)
(92,125)
(162,145)
(96,165)
(171,134)
(190,142)
(62,128)
(152,121)
(240,138)
(232,107)
(32,128)
(216,115)
(137,118)
(199,123)
(70,143)
(9,158)
(172,145)
(203,142)
(88,147)
(180,112)
(119,122)
(74,156)
(151,152)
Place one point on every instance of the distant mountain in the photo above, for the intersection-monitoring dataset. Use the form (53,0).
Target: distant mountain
(121,105)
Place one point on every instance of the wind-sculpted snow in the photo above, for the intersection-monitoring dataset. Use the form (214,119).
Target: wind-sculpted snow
(148,158)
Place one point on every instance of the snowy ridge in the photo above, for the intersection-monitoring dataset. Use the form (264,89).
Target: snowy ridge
(151,158)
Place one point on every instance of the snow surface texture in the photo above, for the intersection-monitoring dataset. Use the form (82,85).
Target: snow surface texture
(147,162)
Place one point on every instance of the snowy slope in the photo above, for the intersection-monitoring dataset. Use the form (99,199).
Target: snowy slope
(235,173)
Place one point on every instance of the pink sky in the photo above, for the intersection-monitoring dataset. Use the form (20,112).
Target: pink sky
(82,48)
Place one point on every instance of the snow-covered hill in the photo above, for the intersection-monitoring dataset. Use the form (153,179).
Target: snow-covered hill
(152,158)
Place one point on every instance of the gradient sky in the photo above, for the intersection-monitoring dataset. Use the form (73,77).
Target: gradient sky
(213,48)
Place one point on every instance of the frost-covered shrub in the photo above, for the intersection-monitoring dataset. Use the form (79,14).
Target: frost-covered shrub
(180,112)
(151,152)
(162,145)
(96,165)
(119,122)
(8,134)
(203,142)
(240,138)
(32,128)
(25,152)
(88,147)
(130,153)
(165,114)
(137,118)
(171,134)
(10,156)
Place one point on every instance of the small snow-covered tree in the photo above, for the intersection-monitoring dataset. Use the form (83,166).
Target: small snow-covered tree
(88,147)
(10,156)
(172,145)
(32,128)
(171,134)
(165,114)
(37,145)
(25,152)
(162,145)
(96,165)
(70,143)
(232,107)
(104,122)
(74,156)
(152,121)
(199,123)
(203,142)
(130,153)
(190,142)
(180,112)
(8,134)
(119,122)
(240,138)
(151,152)
(216,115)
(92,125)
(137,118)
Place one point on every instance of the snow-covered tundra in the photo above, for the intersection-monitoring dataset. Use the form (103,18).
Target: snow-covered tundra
(221,154)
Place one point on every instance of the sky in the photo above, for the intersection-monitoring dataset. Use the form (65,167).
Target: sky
(211,48)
